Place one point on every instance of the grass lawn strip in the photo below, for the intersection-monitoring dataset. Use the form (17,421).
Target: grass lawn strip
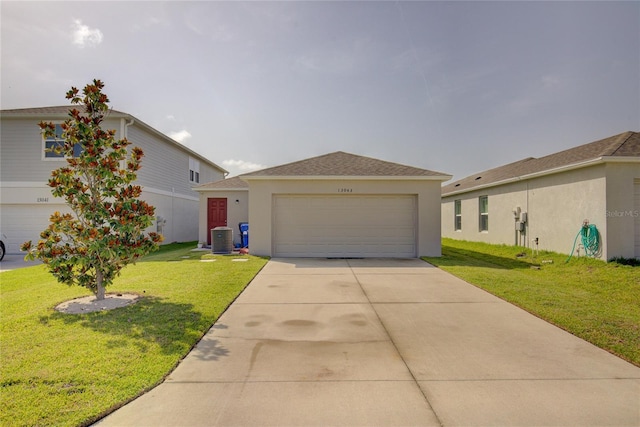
(68,370)
(589,298)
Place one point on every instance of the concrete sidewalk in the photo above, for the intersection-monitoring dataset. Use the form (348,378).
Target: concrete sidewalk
(385,343)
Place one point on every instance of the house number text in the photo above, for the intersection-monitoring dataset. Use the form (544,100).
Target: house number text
(42,200)
(345,190)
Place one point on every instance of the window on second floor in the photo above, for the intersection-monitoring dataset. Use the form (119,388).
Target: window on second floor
(483,205)
(52,145)
(457,216)
(194,170)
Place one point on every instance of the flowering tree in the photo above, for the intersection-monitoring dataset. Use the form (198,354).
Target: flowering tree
(105,231)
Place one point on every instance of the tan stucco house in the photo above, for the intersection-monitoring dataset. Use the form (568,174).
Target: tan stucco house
(338,205)
(546,200)
(169,171)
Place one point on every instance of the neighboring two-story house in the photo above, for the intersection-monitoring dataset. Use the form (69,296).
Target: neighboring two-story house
(169,172)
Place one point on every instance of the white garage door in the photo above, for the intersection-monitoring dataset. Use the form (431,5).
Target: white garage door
(636,212)
(344,226)
(25,222)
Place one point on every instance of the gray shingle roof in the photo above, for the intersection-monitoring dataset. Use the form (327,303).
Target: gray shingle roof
(234,183)
(344,164)
(626,144)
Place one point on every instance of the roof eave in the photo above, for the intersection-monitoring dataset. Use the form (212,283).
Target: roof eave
(343,177)
(114,114)
(552,171)
(207,189)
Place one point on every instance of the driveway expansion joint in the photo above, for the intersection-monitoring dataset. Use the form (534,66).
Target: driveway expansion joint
(386,330)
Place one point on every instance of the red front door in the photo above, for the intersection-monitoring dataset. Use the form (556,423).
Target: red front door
(216,215)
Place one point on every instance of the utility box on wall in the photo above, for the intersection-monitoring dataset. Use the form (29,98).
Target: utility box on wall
(222,240)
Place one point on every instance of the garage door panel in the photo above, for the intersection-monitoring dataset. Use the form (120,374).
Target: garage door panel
(344,226)
(25,222)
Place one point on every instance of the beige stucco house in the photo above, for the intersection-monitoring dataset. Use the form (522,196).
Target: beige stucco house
(336,205)
(169,171)
(547,200)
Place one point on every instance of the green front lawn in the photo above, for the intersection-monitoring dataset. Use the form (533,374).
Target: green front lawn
(62,369)
(594,300)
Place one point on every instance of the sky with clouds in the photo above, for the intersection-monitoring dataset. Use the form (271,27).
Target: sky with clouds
(456,87)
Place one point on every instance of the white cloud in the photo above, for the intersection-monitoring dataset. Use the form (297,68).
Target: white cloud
(85,36)
(242,165)
(180,136)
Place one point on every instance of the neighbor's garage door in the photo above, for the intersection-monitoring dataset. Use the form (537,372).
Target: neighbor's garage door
(25,222)
(344,226)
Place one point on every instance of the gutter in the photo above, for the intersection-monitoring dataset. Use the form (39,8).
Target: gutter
(343,177)
(206,190)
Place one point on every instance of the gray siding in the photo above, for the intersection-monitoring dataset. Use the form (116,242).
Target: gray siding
(165,167)
(21,152)
(21,158)
(26,201)
(209,174)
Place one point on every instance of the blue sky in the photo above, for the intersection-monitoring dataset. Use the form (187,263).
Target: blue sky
(455,87)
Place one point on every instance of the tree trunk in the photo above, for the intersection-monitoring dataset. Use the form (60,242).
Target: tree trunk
(99,287)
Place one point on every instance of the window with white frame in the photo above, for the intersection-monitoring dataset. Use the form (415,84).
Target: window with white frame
(194,170)
(457,216)
(52,146)
(483,207)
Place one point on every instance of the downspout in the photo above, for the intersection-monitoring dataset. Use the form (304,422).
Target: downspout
(123,135)
(124,126)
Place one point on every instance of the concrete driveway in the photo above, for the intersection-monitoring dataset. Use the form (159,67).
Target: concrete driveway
(385,343)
